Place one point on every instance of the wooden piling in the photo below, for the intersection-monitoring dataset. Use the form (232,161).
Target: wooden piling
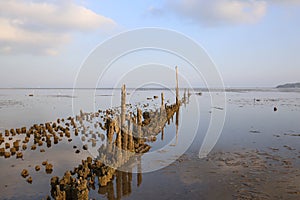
(177,86)
(130,138)
(139,125)
(123,105)
(162,99)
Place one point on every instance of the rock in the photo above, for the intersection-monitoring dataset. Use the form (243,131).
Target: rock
(54,181)
(26,140)
(37,168)
(6,133)
(13,151)
(29,180)
(19,155)
(77,151)
(1,139)
(13,132)
(42,150)
(16,144)
(2,151)
(49,168)
(40,143)
(7,145)
(44,163)
(67,133)
(24,173)
(33,147)
(275,109)
(6,154)
(23,130)
(24,146)
(85,147)
(89,160)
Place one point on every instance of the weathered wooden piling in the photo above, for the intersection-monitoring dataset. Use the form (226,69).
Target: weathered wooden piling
(162,99)
(139,125)
(177,87)
(130,138)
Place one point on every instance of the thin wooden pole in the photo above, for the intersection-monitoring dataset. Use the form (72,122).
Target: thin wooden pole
(162,99)
(177,87)
(130,138)
(123,105)
(139,124)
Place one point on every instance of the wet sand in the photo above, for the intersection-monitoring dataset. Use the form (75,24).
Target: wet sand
(257,157)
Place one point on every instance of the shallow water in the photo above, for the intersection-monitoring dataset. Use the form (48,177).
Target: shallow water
(251,125)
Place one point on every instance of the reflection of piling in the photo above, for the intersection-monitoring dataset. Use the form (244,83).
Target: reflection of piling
(124,183)
(131,134)
(129,181)
(177,87)
(139,125)
(139,170)
(177,124)
(119,185)
(110,191)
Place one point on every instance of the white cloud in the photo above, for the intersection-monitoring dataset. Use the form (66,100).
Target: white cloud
(215,12)
(41,26)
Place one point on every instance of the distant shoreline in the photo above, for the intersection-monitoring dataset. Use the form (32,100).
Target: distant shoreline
(289,85)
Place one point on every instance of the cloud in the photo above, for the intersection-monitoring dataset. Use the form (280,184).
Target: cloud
(218,12)
(44,26)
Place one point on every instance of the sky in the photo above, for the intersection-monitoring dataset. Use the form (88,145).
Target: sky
(253,43)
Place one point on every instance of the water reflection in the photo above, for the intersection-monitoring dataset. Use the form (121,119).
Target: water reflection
(128,136)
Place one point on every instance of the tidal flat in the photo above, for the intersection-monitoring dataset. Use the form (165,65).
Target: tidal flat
(257,155)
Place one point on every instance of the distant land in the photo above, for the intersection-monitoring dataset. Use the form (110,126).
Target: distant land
(289,85)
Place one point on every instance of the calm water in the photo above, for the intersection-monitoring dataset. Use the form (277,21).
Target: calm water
(251,123)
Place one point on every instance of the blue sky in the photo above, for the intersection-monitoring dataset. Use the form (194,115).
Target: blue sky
(252,42)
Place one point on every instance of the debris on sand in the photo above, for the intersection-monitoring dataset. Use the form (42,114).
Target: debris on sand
(49,168)
(29,180)
(254,131)
(85,147)
(19,155)
(24,173)
(37,168)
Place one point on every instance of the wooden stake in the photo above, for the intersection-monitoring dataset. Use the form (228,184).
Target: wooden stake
(177,87)
(139,124)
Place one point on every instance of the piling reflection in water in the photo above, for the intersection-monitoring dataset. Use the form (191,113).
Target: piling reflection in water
(128,137)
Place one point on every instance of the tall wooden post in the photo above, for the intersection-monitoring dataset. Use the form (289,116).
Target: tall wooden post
(177,87)
(130,138)
(139,124)
(123,106)
(162,99)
